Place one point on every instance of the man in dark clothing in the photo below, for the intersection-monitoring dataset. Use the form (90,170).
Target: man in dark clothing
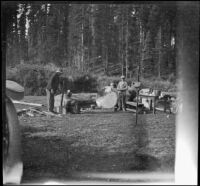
(71,105)
(51,89)
(132,92)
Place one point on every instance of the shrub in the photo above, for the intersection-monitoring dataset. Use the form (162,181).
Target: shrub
(13,75)
(34,78)
(30,79)
(105,81)
(83,83)
(156,83)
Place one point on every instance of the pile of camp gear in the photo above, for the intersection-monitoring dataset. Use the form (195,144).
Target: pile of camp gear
(76,103)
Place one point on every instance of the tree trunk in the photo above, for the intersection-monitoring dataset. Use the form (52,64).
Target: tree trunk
(122,41)
(93,35)
(104,52)
(160,51)
(46,22)
(120,48)
(66,30)
(141,48)
(22,28)
(127,34)
(16,42)
(58,36)
(82,41)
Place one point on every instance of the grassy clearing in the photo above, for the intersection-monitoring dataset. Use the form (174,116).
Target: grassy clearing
(56,148)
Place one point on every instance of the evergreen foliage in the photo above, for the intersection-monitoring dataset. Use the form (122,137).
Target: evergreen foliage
(93,39)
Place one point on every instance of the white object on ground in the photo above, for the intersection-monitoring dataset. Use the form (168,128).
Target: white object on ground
(30,114)
(107,101)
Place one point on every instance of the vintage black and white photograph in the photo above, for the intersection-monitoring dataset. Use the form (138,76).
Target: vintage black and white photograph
(100,92)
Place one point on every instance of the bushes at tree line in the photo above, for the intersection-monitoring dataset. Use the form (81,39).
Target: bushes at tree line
(82,83)
(34,78)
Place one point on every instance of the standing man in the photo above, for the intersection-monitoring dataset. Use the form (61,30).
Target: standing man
(122,87)
(51,89)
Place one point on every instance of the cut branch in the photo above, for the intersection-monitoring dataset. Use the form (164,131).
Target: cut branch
(26,103)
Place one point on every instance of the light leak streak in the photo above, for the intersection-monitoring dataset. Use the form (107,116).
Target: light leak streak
(185,167)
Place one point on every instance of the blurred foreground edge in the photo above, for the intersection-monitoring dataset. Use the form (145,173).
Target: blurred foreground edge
(12,162)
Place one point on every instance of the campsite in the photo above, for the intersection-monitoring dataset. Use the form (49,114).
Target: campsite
(99,92)
(101,141)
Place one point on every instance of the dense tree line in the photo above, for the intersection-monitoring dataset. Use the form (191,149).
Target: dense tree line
(100,38)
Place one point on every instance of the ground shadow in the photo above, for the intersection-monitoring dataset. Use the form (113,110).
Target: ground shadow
(145,162)
(56,157)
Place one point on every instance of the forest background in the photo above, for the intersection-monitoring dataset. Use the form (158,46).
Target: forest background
(94,44)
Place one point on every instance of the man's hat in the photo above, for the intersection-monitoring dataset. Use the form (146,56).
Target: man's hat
(122,77)
(59,71)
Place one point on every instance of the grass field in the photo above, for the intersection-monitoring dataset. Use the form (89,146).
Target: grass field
(103,141)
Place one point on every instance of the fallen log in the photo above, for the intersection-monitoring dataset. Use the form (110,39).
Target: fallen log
(45,113)
(86,103)
(51,114)
(160,109)
(35,110)
(26,103)
(134,104)
(171,109)
(19,112)
(132,110)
